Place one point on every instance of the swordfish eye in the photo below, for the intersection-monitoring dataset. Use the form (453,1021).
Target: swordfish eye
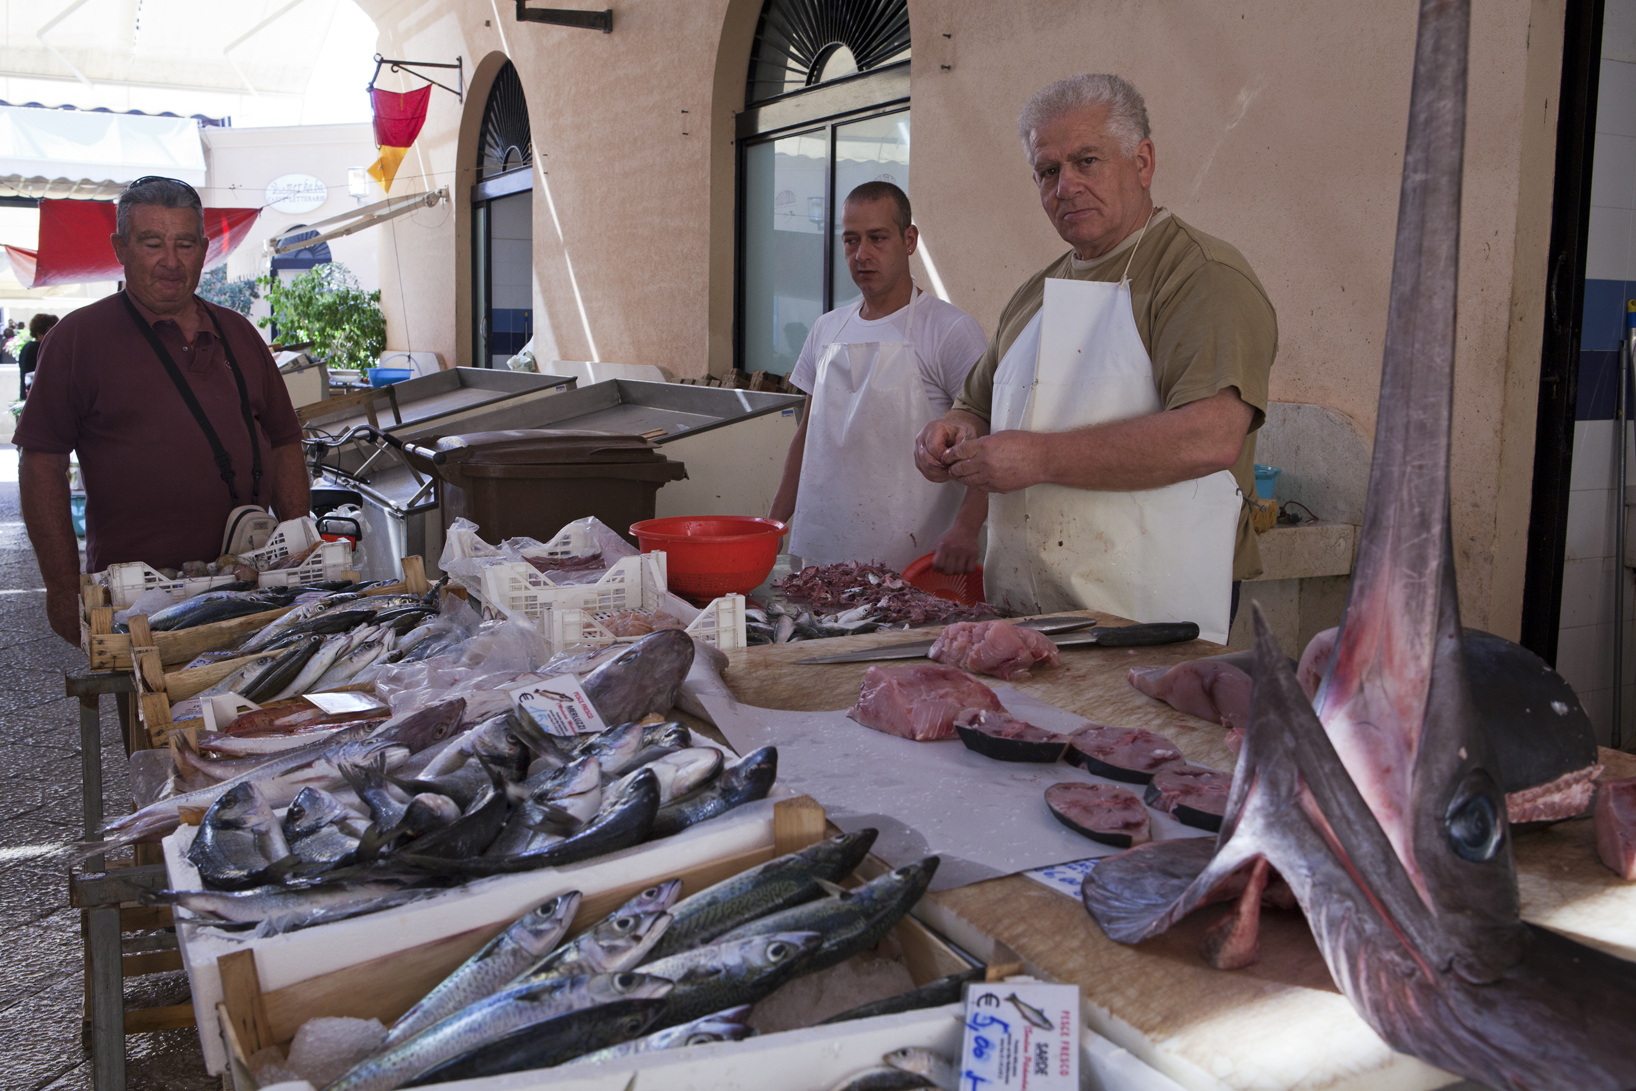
(1473,826)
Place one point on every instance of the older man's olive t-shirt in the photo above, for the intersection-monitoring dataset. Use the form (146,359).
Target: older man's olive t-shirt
(1203,317)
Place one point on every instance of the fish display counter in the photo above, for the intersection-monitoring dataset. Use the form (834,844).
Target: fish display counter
(1278,1023)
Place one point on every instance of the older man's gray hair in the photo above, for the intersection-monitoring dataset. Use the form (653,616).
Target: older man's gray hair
(160,193)
(1127,113)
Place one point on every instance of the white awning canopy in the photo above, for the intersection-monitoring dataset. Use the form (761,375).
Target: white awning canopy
(74,146)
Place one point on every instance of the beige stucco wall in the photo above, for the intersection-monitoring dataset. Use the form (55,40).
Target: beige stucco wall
(1279,126)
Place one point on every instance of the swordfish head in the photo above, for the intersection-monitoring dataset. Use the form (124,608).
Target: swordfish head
(1376,802)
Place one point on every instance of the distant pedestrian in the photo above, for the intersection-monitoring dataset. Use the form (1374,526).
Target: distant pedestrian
(29,354)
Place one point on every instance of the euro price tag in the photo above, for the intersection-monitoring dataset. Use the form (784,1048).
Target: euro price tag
(559,705)
(1020,1035)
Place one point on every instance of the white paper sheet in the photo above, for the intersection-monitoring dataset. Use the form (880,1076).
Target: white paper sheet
(984,818)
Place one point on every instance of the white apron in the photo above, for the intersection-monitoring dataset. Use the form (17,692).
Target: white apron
(1161,554)
(860,497)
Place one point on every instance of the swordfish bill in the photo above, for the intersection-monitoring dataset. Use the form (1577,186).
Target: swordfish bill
(1375,802)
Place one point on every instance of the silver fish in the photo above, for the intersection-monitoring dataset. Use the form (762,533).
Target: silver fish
(643,679)
(679,773)
(239,838)
(722,1026)
(731,972)
(528,940)
(493,1018)
(935,1067)
(321,661)
(616,943)
(249,906)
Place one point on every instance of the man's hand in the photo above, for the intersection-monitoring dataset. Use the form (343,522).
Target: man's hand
(956,551)
(937,439)
(62,611)
(43,485)
(1002,462)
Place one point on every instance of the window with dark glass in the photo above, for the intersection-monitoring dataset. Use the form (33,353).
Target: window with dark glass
(827,109)
(503,225)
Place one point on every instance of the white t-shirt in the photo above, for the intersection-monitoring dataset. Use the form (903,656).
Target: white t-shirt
(947,342)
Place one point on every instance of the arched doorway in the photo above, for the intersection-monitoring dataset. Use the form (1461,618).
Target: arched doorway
(502,225)
(827,108)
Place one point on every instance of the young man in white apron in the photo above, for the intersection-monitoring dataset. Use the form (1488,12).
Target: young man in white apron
(876,372)
(1113,415)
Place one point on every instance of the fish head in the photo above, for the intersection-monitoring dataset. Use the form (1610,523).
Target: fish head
(899,887)
(576,778)
(692,767)
(425,727)
(655,899)
(623,939)
(776,954)
(627,985)
(538,930)
(836,857)
(310,810)
(667,736)
(755,771)
(428,811)
(236,806)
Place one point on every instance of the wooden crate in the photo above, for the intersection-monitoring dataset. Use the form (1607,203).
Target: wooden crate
(378,965)
(158,689)
(251,1019)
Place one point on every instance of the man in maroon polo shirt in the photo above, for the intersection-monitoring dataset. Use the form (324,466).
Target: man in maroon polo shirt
(109,384)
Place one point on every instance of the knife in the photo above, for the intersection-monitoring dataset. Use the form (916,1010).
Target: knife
(1105,636)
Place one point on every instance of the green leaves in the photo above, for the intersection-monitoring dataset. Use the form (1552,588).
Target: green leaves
(325,305)
(235,295)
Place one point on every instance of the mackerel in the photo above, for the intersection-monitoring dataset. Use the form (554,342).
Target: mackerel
(492,1018)
(315,667)
(617,942)
(748,780)
(528,940)
(768,888)
(731,972)
(553,1042)
(721,1026)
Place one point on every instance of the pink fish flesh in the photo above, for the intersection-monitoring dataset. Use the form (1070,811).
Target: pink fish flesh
(1103,812)
(1616,826)
(919,702)
(998,648)
(1121,753)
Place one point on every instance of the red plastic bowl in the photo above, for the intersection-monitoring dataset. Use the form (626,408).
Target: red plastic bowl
(966,588)
(712,555)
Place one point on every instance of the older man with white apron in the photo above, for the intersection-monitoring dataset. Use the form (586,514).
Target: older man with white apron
(1113,414)
(877,371)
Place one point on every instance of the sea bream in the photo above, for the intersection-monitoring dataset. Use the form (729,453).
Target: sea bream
(1379,806)
(281,778)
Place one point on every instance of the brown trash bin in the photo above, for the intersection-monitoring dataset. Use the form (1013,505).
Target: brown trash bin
(534,482)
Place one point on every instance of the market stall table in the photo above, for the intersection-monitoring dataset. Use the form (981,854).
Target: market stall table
(1280,1023)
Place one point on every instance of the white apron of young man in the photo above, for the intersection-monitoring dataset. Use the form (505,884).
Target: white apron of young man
(1161,554)
(860,497)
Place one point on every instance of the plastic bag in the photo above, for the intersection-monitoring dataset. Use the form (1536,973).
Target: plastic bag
(591,548)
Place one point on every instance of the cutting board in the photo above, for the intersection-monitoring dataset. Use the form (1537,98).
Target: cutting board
(1279,1024)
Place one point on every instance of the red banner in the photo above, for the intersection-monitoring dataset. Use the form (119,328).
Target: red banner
(75,246)
(398,117)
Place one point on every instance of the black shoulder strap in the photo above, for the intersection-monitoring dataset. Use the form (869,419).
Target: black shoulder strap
(244,406)
(224,461)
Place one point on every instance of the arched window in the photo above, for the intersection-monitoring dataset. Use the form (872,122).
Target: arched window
(503,225)
(827,109)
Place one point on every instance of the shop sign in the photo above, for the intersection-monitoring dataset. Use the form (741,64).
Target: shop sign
(296,193)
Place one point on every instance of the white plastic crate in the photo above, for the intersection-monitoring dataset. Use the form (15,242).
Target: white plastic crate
(571,541)
(720,623)
(128,582)
(518,589)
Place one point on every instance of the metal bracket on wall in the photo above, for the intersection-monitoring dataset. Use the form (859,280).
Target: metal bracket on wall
(566,17)
(459,66)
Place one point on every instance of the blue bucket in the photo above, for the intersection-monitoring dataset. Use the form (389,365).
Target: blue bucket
(1266,480)
(76,506)
(386,376)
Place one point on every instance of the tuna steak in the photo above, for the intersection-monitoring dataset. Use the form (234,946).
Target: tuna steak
(919,702)
(1129,754)
(1103,812)
(1616,826)
(999,648)
(1379,807)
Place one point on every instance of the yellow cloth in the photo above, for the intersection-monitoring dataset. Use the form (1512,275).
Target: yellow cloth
(386,167)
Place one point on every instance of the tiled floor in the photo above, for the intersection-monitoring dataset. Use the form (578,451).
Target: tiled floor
(42,997)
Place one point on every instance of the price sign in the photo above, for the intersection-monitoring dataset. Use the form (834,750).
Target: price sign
(1021,1035)
(559,705)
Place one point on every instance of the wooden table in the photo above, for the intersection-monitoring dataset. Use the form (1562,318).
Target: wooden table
(1281,1023)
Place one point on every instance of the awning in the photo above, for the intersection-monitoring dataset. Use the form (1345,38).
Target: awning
(75,247)
(96,147)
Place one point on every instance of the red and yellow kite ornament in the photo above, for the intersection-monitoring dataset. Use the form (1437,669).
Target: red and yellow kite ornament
(398,120)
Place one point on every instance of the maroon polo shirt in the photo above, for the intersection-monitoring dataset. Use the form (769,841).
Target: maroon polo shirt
(153,491)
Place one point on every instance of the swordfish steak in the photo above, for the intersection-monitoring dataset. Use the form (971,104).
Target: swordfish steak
(1377,802)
